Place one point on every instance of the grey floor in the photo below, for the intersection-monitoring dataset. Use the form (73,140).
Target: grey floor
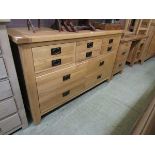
(110,108)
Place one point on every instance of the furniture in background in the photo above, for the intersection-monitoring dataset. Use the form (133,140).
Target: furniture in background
(121,58)
(59,66)
(150,43)
(12,112)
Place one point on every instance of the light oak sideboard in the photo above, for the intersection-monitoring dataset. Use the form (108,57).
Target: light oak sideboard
(58,66)
(12,112)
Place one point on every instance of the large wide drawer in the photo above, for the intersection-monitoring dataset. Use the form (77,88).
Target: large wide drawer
(85,45)
(51,100)
(9,123)
(53,56)
(5,89)
(94,78)
(3,73)
(7,107)
(110,44)
(60,78)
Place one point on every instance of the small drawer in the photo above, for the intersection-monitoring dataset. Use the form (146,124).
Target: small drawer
(53,56)
(3,73)
(60,78)
(110,44)
(9,123)
(7,107)
(86,45)
(5,90)
(49,101)
(81,56)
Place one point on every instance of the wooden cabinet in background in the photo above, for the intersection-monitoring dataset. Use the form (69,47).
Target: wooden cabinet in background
(150,44)
(59,66)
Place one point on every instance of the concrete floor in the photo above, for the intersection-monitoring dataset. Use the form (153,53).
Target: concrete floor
(110,108)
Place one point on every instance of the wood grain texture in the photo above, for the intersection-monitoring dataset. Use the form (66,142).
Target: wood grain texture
(22,35)
(29,75)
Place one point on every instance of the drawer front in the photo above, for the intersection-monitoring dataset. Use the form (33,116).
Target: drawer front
(56,98)
(59,79)
(0,51)
(94,78)
(80,56)
(3,73)
(119,66)
(50,57)
(9,123)
(5,90)
(86,45)
(110,44)
(123,51)
(125,46)
(96,73)
(7,108)
(95,64)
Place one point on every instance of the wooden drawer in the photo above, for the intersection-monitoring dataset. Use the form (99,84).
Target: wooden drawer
(123,51)
(110,44)
(53,56)
(80,56)
(0,51)
(102,63)
(7,107)
(86,45)
(96,73)
(9,123)
(95,64)
(119,66)
(94,78)
(3,73)
(49,101)
(125,46)
(5,89)
(60,78)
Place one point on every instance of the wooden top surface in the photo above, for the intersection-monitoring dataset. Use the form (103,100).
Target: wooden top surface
(22,35)
(133,38)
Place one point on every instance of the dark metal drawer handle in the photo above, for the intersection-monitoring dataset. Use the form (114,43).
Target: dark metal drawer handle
(109,48)
(55,51)
(66,77)
(88,54)
(101,63)
(56,62)
(99,76)
(123,53)
(66,93)
(111,41)
(90,45)
(120,65)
